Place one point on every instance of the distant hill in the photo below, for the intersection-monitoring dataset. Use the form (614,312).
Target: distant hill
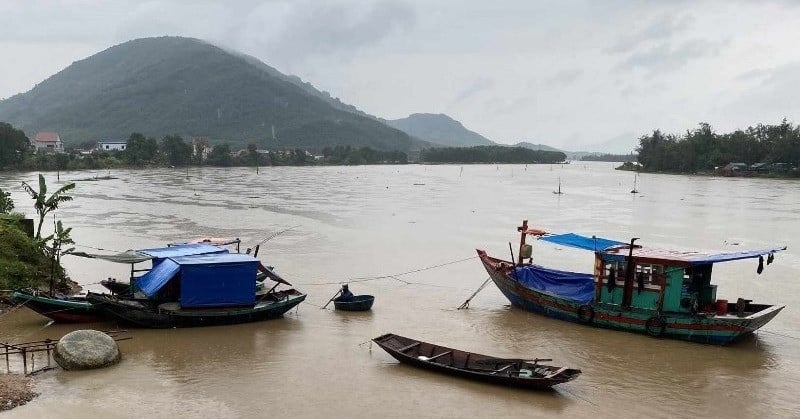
(439,129)
(175,85)
(536,146)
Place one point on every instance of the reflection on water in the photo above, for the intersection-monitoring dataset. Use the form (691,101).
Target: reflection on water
(358,222)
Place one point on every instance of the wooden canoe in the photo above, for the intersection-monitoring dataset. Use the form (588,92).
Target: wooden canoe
(506,371)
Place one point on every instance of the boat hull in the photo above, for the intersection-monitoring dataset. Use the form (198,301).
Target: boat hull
(144,314)
(72,310)
(359,303)
(710,329)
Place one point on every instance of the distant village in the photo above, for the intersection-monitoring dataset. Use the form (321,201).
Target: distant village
(50,142)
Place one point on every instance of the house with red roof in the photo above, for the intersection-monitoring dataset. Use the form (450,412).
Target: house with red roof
(47,142)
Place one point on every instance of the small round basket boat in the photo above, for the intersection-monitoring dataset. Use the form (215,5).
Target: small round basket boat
(358,303)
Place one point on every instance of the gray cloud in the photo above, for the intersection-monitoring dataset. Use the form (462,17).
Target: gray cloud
(478,85)
(663,27)
(565,77)
(315,29)
(664,58)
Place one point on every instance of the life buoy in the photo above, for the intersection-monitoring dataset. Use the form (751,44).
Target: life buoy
(655,326)
(585,314)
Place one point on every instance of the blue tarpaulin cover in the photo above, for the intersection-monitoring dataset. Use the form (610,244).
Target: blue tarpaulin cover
(217,280)
(581,242)
(575,286)
(157,277)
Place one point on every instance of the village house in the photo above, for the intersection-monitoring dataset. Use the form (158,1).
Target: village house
(47,142)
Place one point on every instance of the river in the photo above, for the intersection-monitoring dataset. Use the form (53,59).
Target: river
(371,221)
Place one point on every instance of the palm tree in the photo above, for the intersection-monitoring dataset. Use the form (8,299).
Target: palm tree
(45,204)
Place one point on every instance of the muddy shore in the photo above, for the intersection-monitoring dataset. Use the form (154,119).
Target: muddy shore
(15,390)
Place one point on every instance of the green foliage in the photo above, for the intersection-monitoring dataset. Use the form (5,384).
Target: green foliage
(140,150)
(610,157)
(489,154)
(45,204)
(14,146)
(220,155)
(175,151)
(6,203)
(347,155)
(704,149)
(22,262)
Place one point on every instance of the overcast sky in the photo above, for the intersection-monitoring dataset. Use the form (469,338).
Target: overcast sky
(570,74)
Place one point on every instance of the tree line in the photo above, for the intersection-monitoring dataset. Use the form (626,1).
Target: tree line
(489,154)
(609,157)
(702,149)
(173,150)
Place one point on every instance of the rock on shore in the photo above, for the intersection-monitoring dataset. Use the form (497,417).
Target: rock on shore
(86,349)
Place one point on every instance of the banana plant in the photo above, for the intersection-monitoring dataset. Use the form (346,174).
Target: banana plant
(45,204)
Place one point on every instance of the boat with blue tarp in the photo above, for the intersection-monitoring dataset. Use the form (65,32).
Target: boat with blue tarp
(196,285)
(659,292)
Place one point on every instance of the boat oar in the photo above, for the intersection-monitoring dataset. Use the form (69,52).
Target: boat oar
(332,298)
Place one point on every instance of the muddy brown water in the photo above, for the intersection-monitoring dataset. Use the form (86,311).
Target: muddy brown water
(362,222)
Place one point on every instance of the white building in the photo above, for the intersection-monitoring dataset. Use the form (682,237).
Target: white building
(112,145)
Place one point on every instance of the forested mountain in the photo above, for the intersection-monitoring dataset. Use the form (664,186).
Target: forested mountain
(439,129)
(174,85)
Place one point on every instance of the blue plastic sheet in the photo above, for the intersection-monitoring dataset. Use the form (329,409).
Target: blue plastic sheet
(574,286)
(581,242)
(217,280)
(155,279)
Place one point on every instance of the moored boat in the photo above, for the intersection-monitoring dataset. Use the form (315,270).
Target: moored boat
(662,293)
(506,371)
(200,290)
(60,309)
(356,303)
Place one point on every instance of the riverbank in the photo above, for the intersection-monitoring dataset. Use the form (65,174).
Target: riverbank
(631,167)
(15,390)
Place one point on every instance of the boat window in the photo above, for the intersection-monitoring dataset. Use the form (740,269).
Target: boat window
(652,273)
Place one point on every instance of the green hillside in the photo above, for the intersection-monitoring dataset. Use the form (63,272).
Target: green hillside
(174,85)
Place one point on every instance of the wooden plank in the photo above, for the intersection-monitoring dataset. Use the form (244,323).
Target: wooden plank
(407,347)
(440,355)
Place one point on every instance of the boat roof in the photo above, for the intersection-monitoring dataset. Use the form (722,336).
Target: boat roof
(613,249)
(142,255)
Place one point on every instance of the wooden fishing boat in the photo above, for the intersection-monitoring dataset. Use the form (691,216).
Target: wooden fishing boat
(67,309)
(200,290)
(155,315)
(358,303)
(662,293)
(511,372)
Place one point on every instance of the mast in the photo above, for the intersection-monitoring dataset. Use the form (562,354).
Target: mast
(522,229)
(627,294)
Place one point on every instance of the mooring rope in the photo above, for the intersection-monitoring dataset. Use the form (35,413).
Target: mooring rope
(466,303)
(391,276)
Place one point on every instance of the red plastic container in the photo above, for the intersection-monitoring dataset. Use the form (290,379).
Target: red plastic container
(722,307)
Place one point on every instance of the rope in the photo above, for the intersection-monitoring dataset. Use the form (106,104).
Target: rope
(391,276)
(97,248)
(466,303)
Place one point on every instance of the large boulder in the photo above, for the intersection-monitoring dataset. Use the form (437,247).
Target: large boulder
(86,349)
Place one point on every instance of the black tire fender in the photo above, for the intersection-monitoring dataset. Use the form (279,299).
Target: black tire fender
(585,314)
(655,326)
